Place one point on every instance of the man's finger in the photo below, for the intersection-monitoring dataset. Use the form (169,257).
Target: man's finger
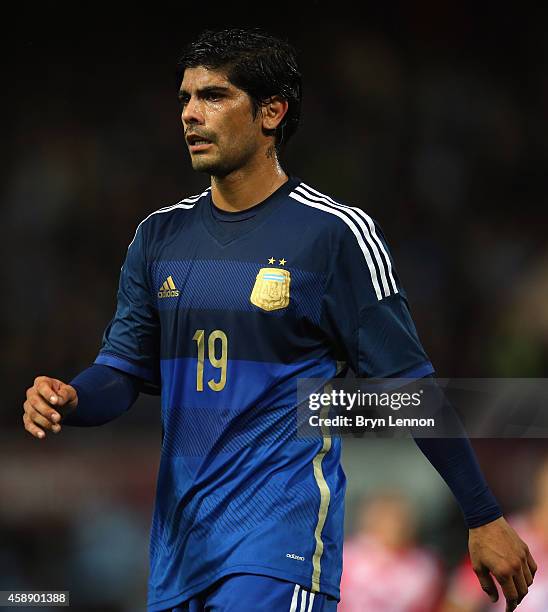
(527,574)
(531,563)
(510,593)
(65,394)
(41,421)
(41,406)
(520,584)
(487,584)
(33,429)
(45,389)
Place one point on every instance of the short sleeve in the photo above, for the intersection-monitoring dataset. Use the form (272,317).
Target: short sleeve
(365,312)
(132,338)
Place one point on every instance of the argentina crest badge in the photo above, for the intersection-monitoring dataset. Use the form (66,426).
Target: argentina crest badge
(271,289)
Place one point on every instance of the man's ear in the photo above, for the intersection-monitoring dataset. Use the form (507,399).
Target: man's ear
(273,112)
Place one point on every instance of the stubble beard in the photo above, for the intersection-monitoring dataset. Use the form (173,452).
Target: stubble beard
(217,166)
(213,167)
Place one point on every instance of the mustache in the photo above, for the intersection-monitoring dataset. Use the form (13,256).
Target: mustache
(205,134)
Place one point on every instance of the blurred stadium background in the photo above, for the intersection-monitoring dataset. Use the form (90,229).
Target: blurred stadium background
(431,116)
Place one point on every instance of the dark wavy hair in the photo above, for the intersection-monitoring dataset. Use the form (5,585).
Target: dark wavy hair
(256,62)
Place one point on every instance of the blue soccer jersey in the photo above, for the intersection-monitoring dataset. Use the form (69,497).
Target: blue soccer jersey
(224,312)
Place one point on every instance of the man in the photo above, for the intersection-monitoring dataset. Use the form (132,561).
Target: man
(225,299)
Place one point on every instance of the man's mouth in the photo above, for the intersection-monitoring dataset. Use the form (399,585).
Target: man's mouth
(197,142)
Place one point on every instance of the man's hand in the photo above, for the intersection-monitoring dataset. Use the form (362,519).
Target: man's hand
(497,549)
(42,397)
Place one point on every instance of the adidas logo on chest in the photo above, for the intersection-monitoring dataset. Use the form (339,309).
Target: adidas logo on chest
(168,289)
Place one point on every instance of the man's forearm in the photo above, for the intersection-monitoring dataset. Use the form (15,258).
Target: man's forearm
(456,462)
(104,393)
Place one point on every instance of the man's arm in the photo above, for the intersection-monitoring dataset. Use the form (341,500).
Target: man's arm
(104,393)
(369,323)
(96,396)
(495,548)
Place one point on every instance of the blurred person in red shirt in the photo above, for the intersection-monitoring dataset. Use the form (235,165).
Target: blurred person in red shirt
(465,594)
(384,569)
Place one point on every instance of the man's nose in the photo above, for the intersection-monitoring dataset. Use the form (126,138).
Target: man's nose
(192,112)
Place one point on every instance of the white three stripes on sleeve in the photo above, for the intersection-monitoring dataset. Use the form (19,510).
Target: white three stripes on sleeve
(362,226)
(371,226)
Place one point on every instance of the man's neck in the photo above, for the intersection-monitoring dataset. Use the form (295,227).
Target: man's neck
(247,186)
